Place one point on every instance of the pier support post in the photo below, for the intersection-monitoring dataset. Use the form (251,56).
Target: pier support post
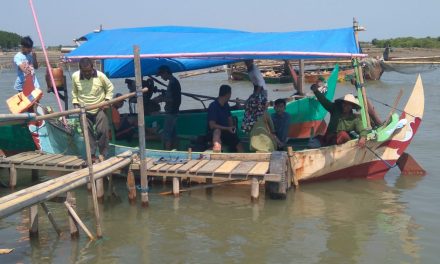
(34,175)
(100,190)
(33,221)
(131,185)
(51,218)
(176,186)
(141,125)
(188,180)
(208,182)
(78,220)
(255,189)
(91,174)
(73,226)
(12,176)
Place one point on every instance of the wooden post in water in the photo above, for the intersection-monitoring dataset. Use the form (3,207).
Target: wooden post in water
(131,184)
(141,126)
(176,186)
(73,226)
(51,218)
(33,221)
(292,165)
(100,190)
(189,158)
(34,175)
(78,220)
(255,189)
(90,165)
(12,176)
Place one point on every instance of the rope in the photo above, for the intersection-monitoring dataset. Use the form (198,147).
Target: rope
(47,58)
(385,104)
(379,157)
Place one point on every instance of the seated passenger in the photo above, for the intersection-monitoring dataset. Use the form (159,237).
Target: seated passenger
(281,122)
(220,124)
(342,119)
(125,128)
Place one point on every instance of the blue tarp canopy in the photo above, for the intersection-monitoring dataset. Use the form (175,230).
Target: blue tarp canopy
(191,48)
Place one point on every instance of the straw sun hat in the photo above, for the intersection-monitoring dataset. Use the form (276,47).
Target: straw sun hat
(349,98)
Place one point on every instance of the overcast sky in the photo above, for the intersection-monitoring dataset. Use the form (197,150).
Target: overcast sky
(62,20)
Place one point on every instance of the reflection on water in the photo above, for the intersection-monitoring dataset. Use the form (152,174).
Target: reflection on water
(394,220)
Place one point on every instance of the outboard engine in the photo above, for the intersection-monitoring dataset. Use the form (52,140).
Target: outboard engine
(149,105)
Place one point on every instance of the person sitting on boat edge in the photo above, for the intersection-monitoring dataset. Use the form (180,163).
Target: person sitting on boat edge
(342,119)
(172,98)
(221,127)
(89,87)
(281,122)
(26,63)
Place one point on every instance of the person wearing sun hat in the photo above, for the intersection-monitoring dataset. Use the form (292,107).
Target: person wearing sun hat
(342,118)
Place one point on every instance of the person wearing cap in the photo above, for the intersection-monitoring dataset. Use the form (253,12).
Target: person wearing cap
(90,87)
(26,63)
(221,127)
(124,127)
(342,118)
(172,99)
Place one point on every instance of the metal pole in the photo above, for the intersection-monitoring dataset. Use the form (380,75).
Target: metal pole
(90,165)
(141,126)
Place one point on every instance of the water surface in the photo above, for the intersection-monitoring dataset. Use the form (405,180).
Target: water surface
(394,220)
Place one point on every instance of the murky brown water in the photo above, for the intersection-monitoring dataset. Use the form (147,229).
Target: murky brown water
(394,220)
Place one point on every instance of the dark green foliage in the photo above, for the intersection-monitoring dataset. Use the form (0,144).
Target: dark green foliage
(408,42)
(9,40)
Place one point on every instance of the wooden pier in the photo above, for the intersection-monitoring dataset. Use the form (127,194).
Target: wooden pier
(271,168)
(35,161)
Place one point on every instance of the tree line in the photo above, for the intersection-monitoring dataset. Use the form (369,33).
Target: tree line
(9,40)
(408,42)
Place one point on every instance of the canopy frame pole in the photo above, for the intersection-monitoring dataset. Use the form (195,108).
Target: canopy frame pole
(360,87)
(141,125)
(301,83)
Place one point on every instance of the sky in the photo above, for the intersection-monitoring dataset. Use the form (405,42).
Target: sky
(61,21)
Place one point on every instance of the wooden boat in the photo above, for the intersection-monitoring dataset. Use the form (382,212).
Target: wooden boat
(312,76)
(384,146)
(309,76)
(306,114)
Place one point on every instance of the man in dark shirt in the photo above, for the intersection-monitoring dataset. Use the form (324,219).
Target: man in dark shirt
(220,124)
(172,99)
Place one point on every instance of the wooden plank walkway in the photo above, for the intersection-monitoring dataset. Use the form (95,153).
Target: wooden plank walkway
(43,161)
(214,168)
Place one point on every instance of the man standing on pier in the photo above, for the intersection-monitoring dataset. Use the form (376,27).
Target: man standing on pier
(90,87)
(26,64)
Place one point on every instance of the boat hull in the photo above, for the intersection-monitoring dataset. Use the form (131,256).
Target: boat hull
(373,161)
